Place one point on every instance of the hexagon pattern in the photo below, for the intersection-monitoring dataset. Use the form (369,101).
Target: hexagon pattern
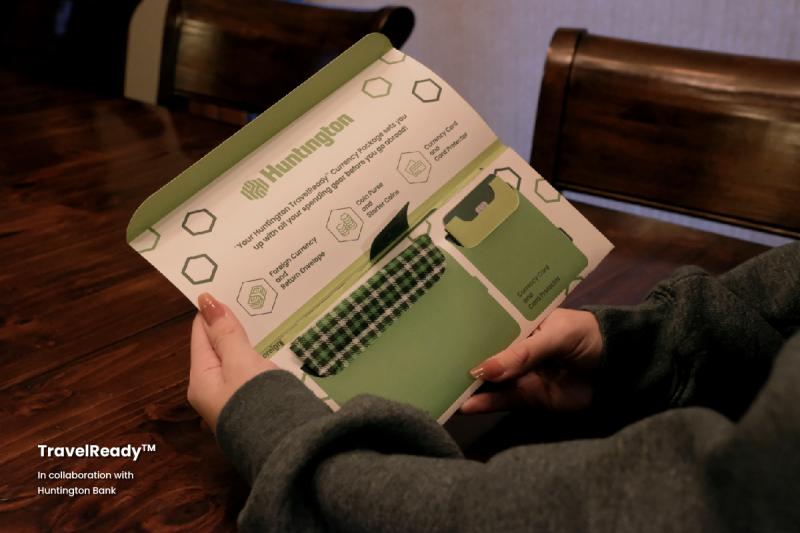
(199,221)
(257,297)
(414,167)
(393,56)
(199,269)
(427,90)
(508,175)
(546,192)
(377,87)
(344,224)
(148,241)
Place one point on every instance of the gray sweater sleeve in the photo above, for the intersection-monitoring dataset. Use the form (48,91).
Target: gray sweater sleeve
(697,340)
(376,465)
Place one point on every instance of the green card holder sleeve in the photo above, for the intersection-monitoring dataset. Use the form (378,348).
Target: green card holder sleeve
(520,251)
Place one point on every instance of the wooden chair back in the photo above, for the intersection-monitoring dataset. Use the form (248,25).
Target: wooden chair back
(700,133)
(229,59)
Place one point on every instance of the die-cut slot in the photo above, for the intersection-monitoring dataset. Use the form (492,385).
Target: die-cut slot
(392,232)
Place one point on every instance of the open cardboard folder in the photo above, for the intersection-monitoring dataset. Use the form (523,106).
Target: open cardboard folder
(371,233)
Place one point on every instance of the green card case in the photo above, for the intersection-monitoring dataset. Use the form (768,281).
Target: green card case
(517,248)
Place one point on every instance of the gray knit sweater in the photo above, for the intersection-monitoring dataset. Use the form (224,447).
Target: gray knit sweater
(703,380)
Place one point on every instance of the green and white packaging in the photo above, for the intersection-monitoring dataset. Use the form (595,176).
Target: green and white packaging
(304,205)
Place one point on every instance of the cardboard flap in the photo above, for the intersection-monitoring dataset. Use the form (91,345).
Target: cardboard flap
(267,125)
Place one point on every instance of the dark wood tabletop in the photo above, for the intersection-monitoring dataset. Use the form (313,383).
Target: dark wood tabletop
(94,341)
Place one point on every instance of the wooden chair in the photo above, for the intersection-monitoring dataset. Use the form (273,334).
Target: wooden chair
(227,60)
(699,133)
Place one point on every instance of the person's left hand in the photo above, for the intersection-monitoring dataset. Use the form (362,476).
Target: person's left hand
(222,359)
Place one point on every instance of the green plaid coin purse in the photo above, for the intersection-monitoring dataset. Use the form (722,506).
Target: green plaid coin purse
(339,336)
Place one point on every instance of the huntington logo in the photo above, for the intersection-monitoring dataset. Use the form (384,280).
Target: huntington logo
(254,189)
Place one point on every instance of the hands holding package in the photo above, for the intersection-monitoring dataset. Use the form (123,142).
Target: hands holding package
(551,369)
(695,389)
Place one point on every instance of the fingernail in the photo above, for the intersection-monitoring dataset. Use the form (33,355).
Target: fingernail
(489,369)
(210,308)
(477,372)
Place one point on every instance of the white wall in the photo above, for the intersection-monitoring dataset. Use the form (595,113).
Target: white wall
(493,52)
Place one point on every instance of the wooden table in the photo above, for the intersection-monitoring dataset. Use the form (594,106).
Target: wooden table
(94,341)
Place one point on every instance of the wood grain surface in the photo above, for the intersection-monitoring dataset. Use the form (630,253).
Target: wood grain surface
(94,342)
(702,133)
(247,54)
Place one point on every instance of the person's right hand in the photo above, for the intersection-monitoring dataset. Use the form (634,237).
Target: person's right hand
(552,369)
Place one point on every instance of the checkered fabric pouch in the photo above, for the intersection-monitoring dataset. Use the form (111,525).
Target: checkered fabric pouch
(356,321)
